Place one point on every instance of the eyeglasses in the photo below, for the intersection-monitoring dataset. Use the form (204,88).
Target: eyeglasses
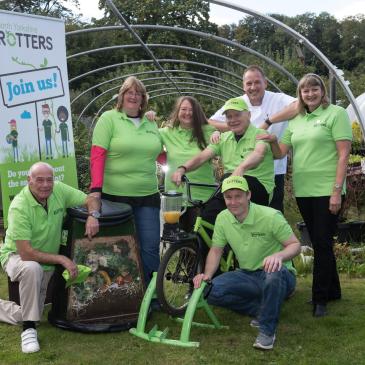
(133,93)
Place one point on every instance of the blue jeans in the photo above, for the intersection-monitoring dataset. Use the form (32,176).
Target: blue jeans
(255,293)
(147,221)
(49,148)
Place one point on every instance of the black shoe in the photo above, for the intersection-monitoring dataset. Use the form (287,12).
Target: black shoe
(332,299)
(319,310)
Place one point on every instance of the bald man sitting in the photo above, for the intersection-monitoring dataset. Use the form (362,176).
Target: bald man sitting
(32,243)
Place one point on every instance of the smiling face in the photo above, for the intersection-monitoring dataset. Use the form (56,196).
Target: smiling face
(132,101)
(40,181)
(185,114)
(312,96)
(254,85)
(237,121)
(237,202)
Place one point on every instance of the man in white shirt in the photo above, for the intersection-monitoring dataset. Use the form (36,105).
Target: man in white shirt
(262,105)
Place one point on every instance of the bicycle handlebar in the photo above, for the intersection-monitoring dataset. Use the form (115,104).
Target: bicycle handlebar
(195,203)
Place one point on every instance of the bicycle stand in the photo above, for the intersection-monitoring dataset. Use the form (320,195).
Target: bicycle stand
(154,335)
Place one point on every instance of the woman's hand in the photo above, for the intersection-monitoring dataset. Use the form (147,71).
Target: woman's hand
(151,115)
(215,137)
(335,202)
(176,176)
(270,138)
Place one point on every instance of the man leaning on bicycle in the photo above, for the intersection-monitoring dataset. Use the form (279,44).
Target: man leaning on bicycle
(264,244)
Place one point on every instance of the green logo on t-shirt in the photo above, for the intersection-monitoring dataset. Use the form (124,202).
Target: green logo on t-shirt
(258,234)
(319,123)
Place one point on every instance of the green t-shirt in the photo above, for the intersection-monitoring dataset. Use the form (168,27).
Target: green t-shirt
(14,140)
(64,131)
(233,153)
(130,167)
(261,234)
(47,125)
(180,148)
(29,221)
(313,138)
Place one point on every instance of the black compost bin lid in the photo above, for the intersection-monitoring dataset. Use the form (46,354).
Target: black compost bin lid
(110,211)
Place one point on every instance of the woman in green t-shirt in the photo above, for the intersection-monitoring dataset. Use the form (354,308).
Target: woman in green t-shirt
(125,146)
(320,137)
(186,134)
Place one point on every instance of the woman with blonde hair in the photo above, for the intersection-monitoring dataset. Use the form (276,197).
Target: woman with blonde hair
(320,137)
(125,145)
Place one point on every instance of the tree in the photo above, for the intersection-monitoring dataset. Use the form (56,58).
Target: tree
(53,8)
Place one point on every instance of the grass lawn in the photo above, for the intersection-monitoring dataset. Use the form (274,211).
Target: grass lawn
(301,339)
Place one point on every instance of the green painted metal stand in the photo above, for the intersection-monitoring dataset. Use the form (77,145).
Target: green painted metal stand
(154,335)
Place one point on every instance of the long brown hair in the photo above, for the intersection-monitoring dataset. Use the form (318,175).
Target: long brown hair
(310,80)
(199,119)
(129,83)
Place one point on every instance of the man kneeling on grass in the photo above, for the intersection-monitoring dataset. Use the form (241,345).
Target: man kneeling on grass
(32,242)
(264,245)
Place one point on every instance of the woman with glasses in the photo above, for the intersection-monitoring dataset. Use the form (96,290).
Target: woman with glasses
(125,146)
(320,137)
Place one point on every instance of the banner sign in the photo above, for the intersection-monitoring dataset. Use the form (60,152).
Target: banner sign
(35,123)
(20,88)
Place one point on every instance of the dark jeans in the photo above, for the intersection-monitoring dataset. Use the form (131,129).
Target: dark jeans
(321,225)
(277,201)
(215,205)
(255,293)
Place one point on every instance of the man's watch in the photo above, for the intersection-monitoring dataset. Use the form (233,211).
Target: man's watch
(95,213)
(268,121)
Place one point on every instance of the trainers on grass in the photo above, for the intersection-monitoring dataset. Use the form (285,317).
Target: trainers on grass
(29,341)
(264,342)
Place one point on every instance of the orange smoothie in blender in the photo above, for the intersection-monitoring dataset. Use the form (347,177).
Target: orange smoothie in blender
(171,216)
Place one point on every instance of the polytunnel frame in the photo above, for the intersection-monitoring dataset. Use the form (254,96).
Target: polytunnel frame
(168,46)
(167,60)
(154,72)
(334,73)
(158,61)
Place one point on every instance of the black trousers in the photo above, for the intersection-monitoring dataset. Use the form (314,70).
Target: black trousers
(321,225)
(215,205)
(277,201)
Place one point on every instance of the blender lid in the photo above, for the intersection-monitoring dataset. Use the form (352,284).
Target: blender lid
(172,193)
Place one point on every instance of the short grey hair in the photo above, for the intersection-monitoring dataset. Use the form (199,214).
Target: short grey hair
(39,164)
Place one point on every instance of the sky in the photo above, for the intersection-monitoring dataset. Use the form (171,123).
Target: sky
(222,15)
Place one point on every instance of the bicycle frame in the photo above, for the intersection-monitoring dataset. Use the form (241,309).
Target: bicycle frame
(201,225)
(200,229)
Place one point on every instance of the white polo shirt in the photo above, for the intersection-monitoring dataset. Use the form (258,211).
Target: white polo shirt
(271,104)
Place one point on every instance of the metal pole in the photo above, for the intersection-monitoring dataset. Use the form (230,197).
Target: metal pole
(137,37)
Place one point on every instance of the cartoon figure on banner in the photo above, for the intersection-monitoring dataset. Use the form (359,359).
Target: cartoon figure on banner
(62,115)
(47,126)
(12,138)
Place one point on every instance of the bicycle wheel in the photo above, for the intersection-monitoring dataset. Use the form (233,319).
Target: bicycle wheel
(174,285)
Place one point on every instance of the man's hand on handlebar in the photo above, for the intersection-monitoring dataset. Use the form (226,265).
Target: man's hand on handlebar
(198,280)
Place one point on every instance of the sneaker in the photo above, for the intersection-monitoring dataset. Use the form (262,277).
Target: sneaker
(29,341)
(255,323)
(264,342)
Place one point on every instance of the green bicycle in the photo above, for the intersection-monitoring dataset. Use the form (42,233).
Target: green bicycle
(184,256)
